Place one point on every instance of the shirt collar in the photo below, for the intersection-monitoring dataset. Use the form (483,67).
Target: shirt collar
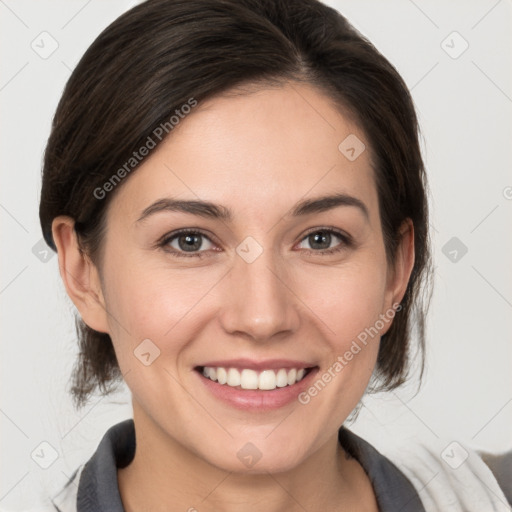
(98,486)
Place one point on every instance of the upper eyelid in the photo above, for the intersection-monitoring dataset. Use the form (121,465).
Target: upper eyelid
(338,232)
(166,239)
(345,238)
(170,236)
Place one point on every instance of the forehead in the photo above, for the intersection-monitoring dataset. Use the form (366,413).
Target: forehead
(260,149)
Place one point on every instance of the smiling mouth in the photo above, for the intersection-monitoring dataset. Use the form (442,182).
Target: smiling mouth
(248,379)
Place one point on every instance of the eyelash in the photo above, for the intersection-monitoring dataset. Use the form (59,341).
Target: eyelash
(346,242)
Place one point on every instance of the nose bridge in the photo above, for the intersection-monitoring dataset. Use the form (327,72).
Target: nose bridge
(259,302)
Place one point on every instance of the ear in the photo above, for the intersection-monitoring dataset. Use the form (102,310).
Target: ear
(400,271)
(80,275)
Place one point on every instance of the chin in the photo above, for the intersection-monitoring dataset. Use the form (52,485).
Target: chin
(256,458)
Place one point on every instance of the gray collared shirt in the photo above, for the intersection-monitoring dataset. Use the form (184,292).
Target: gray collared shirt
(94,488)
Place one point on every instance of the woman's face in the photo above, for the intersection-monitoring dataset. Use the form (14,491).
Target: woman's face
(270,282)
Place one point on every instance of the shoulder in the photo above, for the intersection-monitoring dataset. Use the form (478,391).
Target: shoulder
(392,489)
(501,467)
(93,485)
(66,499)
(449,475)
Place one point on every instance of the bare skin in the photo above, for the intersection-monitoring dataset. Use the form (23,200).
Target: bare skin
(258,154)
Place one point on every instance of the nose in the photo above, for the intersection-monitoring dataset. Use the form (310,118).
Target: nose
(258,302)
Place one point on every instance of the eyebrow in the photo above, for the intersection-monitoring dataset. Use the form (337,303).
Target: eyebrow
(215,211)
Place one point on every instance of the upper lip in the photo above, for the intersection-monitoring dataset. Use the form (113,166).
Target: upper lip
(251,364)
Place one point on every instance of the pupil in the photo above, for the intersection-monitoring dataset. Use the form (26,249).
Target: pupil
(322,238)
(189,242)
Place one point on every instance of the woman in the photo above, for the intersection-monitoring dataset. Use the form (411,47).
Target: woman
(237,197)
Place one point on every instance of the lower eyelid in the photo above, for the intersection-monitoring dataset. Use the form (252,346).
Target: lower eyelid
(344,242)
(167,243)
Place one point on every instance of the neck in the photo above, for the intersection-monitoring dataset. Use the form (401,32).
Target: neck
(180,480)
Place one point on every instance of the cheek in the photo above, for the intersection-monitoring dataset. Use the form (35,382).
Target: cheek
(347,299)
(152,301)
(348,303)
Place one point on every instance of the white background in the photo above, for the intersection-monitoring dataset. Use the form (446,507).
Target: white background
(465,107)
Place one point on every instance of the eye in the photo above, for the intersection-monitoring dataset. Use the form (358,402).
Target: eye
(194,243)
(186,241)
(321,241)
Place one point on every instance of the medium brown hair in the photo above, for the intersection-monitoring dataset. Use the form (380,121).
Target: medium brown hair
(155,57)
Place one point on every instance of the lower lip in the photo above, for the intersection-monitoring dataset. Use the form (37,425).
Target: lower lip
(257,400)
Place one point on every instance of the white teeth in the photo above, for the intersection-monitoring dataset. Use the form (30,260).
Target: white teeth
(267,379)
(210,373)
(292,376)
(222,376)
(250,379)
(281,378)
(233,378)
